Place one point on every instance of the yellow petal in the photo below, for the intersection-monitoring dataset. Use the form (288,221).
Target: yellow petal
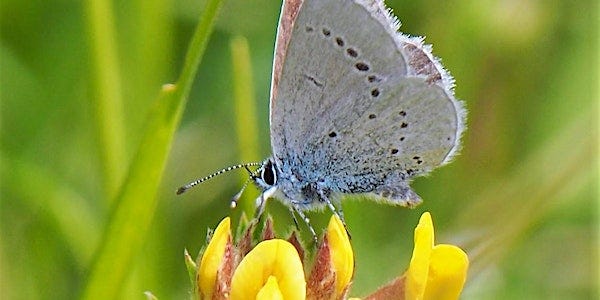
(212,258)
(277,258)
(417,273)
(341,253)
(447,273)
(270,291)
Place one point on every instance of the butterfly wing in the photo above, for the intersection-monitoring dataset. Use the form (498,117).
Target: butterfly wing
(355,105)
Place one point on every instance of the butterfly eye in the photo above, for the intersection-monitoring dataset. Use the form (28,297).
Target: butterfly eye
(268,174)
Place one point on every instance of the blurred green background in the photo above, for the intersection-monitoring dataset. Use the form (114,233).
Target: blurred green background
(521,199)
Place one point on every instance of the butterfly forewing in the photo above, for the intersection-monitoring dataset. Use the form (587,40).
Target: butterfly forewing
(355,105)
(331,61)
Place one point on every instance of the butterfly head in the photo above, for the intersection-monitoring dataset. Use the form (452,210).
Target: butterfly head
(266,176)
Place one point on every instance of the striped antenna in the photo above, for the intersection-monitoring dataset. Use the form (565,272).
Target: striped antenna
(190,185)
(237,196)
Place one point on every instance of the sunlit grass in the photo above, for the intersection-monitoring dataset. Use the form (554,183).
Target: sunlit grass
(512,207)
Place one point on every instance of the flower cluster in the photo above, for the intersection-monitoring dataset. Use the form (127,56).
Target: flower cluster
(275,268)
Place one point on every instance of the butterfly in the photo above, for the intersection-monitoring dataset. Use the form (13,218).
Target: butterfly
(356,107)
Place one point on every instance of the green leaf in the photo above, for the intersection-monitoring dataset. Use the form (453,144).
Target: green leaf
(192,269)
(136,201)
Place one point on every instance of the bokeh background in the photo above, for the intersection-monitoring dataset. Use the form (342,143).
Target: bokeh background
(521,199)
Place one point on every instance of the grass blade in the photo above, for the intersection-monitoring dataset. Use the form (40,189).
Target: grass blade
(106,81)
(245,112)
(136,202)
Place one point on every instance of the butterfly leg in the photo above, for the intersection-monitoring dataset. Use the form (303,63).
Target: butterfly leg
(337,211)
(292,210)
(260,209)
(261,202)
(307,222)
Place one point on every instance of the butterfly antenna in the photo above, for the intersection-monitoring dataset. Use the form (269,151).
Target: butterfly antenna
(192,184)
(237,196)
(253,175)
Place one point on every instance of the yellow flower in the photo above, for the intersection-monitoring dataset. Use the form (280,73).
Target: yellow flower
(212,260)
(333,266)
(342,255)
(435,271)
(272,268)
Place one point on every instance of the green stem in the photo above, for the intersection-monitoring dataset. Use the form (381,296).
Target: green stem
(107,93)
